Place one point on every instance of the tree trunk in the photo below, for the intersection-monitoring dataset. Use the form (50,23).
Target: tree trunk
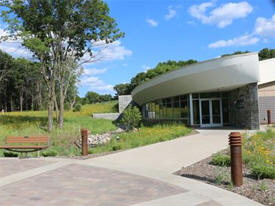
(51,96)
(50,114)
(21,101)
(11,102)
(61,108)
(56,108)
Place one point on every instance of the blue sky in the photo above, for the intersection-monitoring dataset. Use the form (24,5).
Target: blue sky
(161,30)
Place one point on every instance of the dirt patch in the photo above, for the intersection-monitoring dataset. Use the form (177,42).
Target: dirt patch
(262,191)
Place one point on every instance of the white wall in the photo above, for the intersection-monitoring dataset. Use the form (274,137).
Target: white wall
(267,71)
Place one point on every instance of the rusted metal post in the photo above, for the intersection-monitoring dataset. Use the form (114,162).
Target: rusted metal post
(268,116)
(235,142)
(84,137)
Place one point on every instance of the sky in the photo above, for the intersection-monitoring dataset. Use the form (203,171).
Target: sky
(161,30)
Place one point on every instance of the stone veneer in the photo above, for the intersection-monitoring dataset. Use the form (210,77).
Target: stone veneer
(244,110)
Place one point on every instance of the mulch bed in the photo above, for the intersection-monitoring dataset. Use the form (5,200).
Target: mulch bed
(262,191)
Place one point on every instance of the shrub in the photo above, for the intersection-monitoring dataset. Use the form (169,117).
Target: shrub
(221,160)
(261,171)
(116,147)
(49,153)
(10,154)
(77,108)
(131,118)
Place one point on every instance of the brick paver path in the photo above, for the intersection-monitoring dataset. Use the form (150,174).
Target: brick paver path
(76,184)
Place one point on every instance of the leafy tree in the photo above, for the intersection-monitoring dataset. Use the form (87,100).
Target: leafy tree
(57,31)
(266,54)
(235,53)
(92,97)
(122,89)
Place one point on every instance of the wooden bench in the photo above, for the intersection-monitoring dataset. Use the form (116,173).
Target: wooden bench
(26,144)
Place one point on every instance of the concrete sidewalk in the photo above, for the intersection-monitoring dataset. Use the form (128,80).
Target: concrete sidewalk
(170,156)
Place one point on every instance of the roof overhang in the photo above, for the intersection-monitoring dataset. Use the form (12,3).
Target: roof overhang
(219,74)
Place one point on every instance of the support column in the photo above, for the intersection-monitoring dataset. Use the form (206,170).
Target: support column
(191,109)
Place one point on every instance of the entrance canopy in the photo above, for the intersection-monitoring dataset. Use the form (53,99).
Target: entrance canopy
(221,74)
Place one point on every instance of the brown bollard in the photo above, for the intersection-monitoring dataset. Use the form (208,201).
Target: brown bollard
(84,137)
(235,142)
(268,116)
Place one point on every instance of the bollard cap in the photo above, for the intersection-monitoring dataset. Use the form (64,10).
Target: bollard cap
(234,134)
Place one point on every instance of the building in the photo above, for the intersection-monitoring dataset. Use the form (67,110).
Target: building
(233,90)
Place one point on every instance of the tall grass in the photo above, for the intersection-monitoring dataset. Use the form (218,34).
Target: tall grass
(144,136)
(35,123)
(62,140)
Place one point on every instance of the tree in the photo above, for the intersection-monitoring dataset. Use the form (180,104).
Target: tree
(57,31)
(266,54)
(92,97)
(235,53)
(122,89)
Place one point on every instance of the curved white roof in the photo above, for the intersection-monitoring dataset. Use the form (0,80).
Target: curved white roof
(219,74)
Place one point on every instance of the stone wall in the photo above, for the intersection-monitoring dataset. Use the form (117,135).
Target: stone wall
(244,109)
(110,116)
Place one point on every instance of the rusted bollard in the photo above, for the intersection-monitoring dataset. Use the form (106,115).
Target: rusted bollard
(268,116)
(84,137)
(235,142)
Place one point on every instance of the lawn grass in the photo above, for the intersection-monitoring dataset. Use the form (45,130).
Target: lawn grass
(144,136)
(62,140)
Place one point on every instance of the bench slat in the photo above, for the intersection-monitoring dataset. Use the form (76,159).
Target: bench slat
(23,147)
(41,139)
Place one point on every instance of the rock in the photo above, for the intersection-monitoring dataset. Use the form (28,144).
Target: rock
(118,130)
(99,139)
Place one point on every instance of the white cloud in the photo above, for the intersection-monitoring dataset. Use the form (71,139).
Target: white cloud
(171,13)
(115,51)
(265,27)
(238,41)
(106,52)
(145,68)
(14,47)
(93,71)
(95,84)
(221,16)
(152,22)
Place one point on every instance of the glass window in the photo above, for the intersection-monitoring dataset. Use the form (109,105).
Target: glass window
(184,109)
(210,95)
(195,96)
(196,112)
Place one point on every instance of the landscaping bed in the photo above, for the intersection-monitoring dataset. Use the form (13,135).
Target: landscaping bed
(258,169)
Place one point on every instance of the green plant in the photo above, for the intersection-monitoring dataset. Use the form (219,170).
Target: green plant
(222,176)
(263,187)
(116,147)
(77,108)
(131,118)
(221,160)
(10,154)
(261,171)
(50,153)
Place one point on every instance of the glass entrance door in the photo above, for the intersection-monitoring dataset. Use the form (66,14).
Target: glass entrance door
(205,112)
(210,112)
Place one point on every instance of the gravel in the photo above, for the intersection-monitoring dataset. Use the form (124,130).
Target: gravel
(262,191)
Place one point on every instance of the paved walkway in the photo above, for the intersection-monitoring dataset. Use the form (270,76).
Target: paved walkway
(138,177)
